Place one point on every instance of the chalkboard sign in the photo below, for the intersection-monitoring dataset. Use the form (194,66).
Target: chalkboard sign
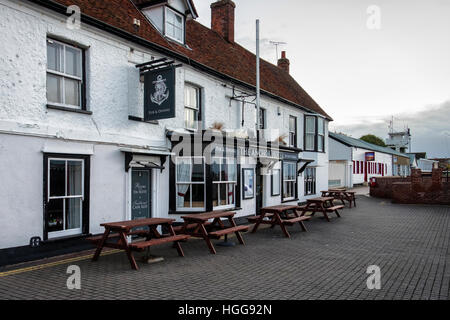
(140,194)
(159,94)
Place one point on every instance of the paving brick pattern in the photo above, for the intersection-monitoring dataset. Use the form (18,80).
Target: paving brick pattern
(409,243)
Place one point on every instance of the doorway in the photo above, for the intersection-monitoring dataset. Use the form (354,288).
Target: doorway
(141,202)
(259,189)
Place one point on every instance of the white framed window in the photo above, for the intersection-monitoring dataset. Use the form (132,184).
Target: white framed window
(320,134)
(224,176)
(310,133)
(64,75)
(191,107)
(310,181)
(292,131)
(65,196)
(174,26)
(289,180)
(190,183)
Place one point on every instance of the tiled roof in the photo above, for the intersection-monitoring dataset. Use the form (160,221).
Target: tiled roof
(203,46)
(358,143)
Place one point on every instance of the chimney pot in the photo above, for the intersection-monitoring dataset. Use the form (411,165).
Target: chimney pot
(222,18)
(283,62)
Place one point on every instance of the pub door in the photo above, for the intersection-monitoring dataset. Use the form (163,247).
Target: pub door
(259,189)
(141,202)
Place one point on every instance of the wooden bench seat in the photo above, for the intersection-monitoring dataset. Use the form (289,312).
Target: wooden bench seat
(254,218)
(292,221)
(334,208)
(223,232)
(139,246)
(98,238)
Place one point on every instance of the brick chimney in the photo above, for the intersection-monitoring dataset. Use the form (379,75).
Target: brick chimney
(283,62)
(222,18)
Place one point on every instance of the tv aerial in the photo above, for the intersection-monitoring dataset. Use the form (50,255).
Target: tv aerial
(276,44)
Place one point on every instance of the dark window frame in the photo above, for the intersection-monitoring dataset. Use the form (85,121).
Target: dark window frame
(295,131)
(316,134)
(83,98)
(86,201)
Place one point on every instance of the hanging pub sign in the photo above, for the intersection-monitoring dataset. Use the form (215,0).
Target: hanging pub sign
(159,94)
(370,156)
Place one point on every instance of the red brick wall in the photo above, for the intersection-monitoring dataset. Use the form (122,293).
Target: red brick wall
(222,19)
(415,189)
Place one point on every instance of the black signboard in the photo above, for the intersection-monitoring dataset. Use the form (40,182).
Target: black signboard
(159,94)
(140,194)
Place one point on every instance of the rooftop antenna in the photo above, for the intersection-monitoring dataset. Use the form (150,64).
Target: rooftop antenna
(276,44)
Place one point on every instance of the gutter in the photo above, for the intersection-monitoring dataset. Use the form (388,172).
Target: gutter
(59,8)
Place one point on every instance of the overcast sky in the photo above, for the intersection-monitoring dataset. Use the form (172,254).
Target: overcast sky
(362,76)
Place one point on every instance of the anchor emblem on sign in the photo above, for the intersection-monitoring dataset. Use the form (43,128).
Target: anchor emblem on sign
(161,93)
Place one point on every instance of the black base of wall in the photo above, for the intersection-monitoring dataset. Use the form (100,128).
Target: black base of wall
(46,250)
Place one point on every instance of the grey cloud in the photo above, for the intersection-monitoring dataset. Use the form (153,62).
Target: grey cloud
(430,129)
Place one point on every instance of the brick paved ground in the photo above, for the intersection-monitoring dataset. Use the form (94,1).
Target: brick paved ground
(409,243)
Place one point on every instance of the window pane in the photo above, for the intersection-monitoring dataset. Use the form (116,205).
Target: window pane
(73,213)
(292,124)
(311,125)
(178,21)
(232,170)
(198,172)
(190,118)
(74,178)
(57,178)
(309,142)
(54,88)
(73,61)
(184,170)
(215,195)
(223,194)
(215,170)
(178,34)
(320,143)
(170,30)
(72,90)
(54,56)
(198,196)
(320,126)
(55,211)
(183,196)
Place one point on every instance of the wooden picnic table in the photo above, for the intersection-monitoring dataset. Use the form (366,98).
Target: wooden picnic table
(279,215)
(320,204)
(198,225)
(123,229)
(341,194)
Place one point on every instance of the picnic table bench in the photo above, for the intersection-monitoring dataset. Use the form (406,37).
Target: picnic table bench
(278,215)
(121,230)
(195,225)
(341,194)
(320,204)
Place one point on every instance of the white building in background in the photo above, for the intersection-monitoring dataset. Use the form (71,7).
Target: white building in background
(77,149)
(354,161)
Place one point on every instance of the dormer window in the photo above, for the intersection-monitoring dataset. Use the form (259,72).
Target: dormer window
(174,27)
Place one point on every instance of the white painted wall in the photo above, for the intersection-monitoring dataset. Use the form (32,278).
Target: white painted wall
(114,92)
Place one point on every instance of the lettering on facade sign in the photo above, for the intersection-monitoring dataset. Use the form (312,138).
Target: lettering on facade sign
(159,94)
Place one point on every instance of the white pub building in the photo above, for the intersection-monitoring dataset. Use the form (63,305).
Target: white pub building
(94,116)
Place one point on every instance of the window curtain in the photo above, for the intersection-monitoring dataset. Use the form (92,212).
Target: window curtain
(184,174)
